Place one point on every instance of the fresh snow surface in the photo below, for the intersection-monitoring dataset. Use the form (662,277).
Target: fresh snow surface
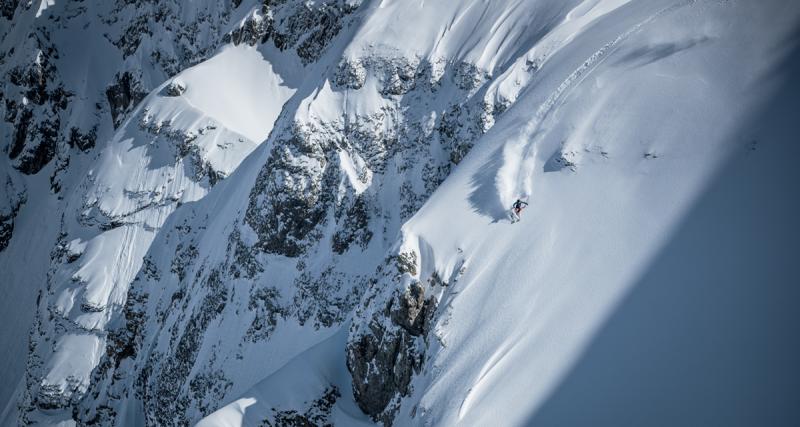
(635,110)
(308,374)
(247,104)
(647,123)
(645,135)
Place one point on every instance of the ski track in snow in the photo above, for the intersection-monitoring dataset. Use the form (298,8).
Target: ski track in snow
(516,176)
(480,385)
(519,161)
(516,304)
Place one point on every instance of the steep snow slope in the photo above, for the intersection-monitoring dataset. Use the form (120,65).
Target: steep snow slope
(309,374)
(611,166)
(249,103)
(709,330)
(292,220)
(286,245)
(613,140)
(283,211)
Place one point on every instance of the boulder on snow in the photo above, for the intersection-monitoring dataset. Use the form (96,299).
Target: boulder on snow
(175,88)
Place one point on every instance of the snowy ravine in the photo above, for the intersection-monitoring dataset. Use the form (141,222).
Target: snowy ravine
(288,212)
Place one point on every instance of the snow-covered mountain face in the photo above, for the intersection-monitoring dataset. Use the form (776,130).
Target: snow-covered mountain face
(295,212)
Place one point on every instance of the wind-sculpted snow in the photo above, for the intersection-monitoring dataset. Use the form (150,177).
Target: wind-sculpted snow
(295,212)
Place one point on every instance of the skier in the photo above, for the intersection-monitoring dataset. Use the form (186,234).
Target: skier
(516,210)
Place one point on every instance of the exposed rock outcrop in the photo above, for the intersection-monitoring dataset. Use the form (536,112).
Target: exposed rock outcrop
(175,88)
(12,197)
(35,101)
(387,346)
(290,199)
(123,95)
(306,27)
(325,190)
(316,413)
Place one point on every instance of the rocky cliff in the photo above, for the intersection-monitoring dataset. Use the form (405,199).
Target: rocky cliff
(302,204)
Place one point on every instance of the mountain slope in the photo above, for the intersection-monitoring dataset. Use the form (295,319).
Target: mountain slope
(296,212)
(612,145)
(539,289)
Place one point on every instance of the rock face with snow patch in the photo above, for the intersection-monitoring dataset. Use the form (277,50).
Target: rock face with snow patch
(238,186)
(55,114)
(331,189)
(35,101)
(306,27)
(388,348)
